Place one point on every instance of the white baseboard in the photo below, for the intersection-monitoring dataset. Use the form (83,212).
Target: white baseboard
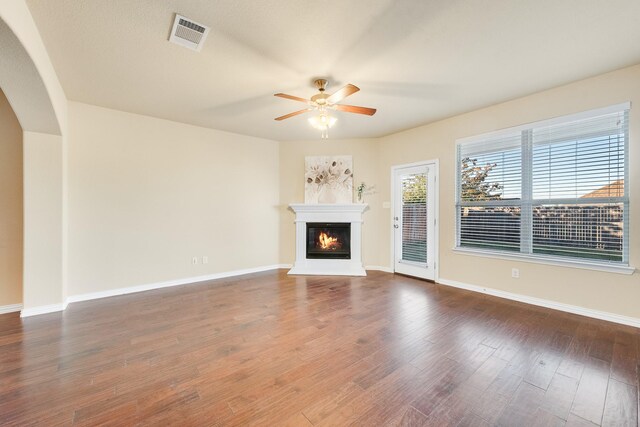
(169,283)
(596,314)
(12,308)
(42,309)
(141,288)
(378,268)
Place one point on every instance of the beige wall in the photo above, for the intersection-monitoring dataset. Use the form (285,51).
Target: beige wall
(43,213)
(609,292)
(10,205)
(365,168)
(146,195)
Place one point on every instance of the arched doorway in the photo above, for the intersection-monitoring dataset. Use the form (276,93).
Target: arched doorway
(29,83)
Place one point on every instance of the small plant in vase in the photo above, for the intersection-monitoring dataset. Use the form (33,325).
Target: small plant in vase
(362,190)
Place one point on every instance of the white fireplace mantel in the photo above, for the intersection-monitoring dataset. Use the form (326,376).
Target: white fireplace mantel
(351,213)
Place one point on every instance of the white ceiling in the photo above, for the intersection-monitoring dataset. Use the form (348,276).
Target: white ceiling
(416,61)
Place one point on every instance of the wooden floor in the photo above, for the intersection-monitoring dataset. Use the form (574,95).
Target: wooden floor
(268,349)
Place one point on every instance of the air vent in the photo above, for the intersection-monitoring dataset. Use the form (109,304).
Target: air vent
(188,33)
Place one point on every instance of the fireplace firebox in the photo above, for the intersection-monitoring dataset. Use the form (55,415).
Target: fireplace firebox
(328,240)
(312,220)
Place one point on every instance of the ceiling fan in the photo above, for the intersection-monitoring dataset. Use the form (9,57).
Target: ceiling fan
(322,102)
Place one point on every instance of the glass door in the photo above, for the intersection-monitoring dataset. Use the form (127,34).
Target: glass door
(414,220)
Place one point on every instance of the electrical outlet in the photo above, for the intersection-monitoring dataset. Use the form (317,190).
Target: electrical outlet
(515,273)
(205,259)
(194,260)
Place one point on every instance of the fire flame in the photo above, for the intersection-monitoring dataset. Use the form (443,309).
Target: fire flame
(327,242)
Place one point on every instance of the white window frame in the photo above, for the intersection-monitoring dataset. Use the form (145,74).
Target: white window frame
(622,267)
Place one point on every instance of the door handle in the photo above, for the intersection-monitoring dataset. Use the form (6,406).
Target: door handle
(395,225)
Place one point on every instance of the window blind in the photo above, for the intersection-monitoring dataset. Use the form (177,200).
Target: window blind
(414,218)
(490,188)
(548,189)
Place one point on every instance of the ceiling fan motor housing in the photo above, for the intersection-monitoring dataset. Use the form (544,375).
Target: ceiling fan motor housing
(321,84)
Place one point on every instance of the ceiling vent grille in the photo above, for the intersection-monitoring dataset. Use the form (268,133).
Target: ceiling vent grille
(188,33)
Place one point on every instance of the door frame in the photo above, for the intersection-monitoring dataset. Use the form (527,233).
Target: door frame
(435,164)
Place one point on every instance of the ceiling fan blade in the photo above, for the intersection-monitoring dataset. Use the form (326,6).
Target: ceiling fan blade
(295,113)
(342,94)
(294,98)
(355,109)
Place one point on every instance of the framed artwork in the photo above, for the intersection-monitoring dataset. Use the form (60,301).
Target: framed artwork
(328,179)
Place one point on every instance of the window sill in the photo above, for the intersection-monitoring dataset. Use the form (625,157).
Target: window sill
(538,259)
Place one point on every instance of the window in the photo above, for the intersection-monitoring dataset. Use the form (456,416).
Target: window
(552,190)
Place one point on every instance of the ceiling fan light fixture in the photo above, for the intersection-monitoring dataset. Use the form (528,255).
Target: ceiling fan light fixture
(323,122)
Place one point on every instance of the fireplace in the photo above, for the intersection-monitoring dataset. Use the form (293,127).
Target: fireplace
(328,240)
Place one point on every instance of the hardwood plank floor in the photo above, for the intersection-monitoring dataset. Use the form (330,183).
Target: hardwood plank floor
(269,349)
